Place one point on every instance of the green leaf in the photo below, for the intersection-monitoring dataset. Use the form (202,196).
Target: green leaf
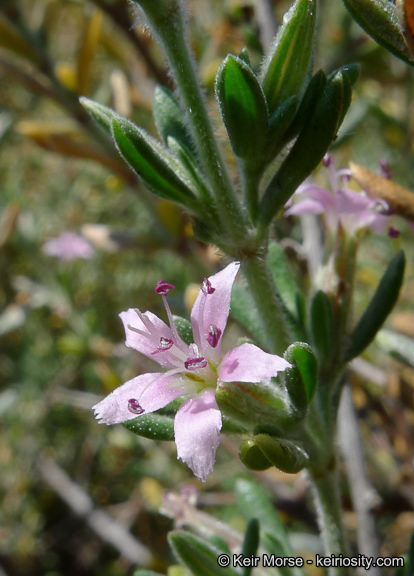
(379,308)
(287,67)
(283,454)
(307,104)
(169,118)
(152,426)
(310,147)
(397,345)
(253,501)
(352,71)
(184,329)
(251,543)
(243,108)
(273,545)
(188,165)
(279,123)
(100,113)
(379,18)
(199,556)
(158,169)
(244,55)
(282,276)
(302,378)
(321,326)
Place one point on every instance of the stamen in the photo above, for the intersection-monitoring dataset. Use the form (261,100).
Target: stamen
(206,287)
(213,337)
(327,160)
(195,363)
(134,406)
(393,232)
(165,344)
(163,287)
(385,169)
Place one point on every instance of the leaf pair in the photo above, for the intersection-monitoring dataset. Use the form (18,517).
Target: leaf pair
(257,110)
(170,174)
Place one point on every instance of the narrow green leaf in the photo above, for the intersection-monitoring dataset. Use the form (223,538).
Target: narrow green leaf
(379,19)
(152,426)
(307,104)
(301,379)
(253,501)
(159,171)
(273,545)
(352,71)
(279,124)
(251,543)
(184,329)
(287,67)
(199,556)
(169,118)
(243,108)
(398,346)
(282,276)
(244,55)
(310,147)
(188,165)
(321,325)
(100,113)
(379,308)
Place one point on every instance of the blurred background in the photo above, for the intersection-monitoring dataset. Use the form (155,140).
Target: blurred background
(79,498)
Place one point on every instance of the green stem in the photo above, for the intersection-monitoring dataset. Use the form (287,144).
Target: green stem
(166,18)
(325,487)
(257,273)
(250,181)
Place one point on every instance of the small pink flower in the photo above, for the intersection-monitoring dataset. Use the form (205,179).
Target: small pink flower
(68,246)
(192,371)
(341,205)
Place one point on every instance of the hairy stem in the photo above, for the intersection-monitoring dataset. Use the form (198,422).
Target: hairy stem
(267,301)
(326,493)
(167,21)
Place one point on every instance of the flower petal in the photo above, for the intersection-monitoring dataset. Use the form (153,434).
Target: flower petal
(213,309)
(147,340)
(151,391)
(197,433)
(248,363)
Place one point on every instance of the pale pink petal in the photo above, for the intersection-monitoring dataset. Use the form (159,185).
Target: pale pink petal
(197,433)
(147,340)
(248,363)
(151,391)
(213,309)
(305,207)
(350,201)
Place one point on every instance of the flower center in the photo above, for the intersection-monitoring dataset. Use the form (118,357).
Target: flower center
(134,406)
(195,363)
(214,334)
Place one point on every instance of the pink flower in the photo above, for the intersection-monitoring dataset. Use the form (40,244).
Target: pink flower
(68,246)
(192,371)
(341,205)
